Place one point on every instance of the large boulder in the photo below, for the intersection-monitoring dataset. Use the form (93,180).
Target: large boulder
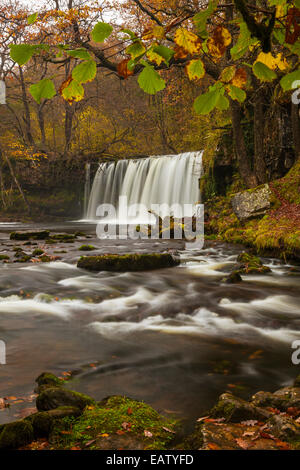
(287,397)
(128,262)
(55,397)
(252,203)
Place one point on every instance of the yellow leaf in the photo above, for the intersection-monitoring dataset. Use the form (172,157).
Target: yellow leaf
(195,69)
(158,59)
(156,32)
(187,40)
(272,62)
(240,78)
(217,44)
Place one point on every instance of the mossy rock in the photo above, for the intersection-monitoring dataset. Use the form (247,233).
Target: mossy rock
(233,278)
(54,397)
(45,259)
(4,257)
(128,262)
(87,248)
(23,259)
(117,422)
(234,409)
(63,237)
(46,378)
(30,235)
(251,264)
(16,434)
(43,422)
(37,252)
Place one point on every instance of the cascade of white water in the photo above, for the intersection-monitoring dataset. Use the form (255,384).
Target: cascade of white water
(169,180)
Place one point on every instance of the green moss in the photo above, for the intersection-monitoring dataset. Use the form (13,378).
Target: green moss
(16,434)
(129,262)
(108,418)
(30,235)
(87,248)
(4,257)
(37,252)
(46,378)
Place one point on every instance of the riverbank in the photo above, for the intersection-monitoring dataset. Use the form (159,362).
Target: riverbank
(67,420)
(275,233)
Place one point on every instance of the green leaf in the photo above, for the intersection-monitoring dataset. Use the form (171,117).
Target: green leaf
(195,69)
(43,89)
(237,93)
(22,53)
(150,81)
(200,19)
(263,72)
(136,49)
(287,81)
(223,103)
(243,43)
(73,92)
(164,52)
(32,18)
(205,103)
(79,54)
(85,71)
(130,33)
(296,3)
(101,32)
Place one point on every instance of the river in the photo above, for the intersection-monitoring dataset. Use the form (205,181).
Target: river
(176,338)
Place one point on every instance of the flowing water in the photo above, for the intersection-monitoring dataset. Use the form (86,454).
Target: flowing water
(175,338)
(170,180)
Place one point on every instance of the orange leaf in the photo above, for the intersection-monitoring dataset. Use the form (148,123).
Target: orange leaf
(123,69)
(213,446)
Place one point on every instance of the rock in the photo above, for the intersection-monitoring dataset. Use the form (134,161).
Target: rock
(54,397)
(288,397)
(252,203)
(87,248)
(16,434)
(283,427)
(128,262)
(233,278)
(4,257)
(46,379)
(250,264)
(37,252)
(30,235)
(44,421)
(63,237)
(234,409)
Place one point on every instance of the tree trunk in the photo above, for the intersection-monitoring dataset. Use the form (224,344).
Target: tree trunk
(68,126)
(260,168)
(240,147)
(27,118)
(296,128)
(2,154)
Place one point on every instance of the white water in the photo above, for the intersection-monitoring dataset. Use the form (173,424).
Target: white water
(170,179)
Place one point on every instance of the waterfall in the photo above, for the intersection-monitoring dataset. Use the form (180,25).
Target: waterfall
(168,179)
(87,188)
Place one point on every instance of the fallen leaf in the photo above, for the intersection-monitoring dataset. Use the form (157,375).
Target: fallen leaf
(249,422)
(169,430)
(126,426)
(104,435)
(75,448)
(148,433)
(129,411)
(120,432)
(213,446)
(202,419)
(2,403)
(243,444)
(89,443)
